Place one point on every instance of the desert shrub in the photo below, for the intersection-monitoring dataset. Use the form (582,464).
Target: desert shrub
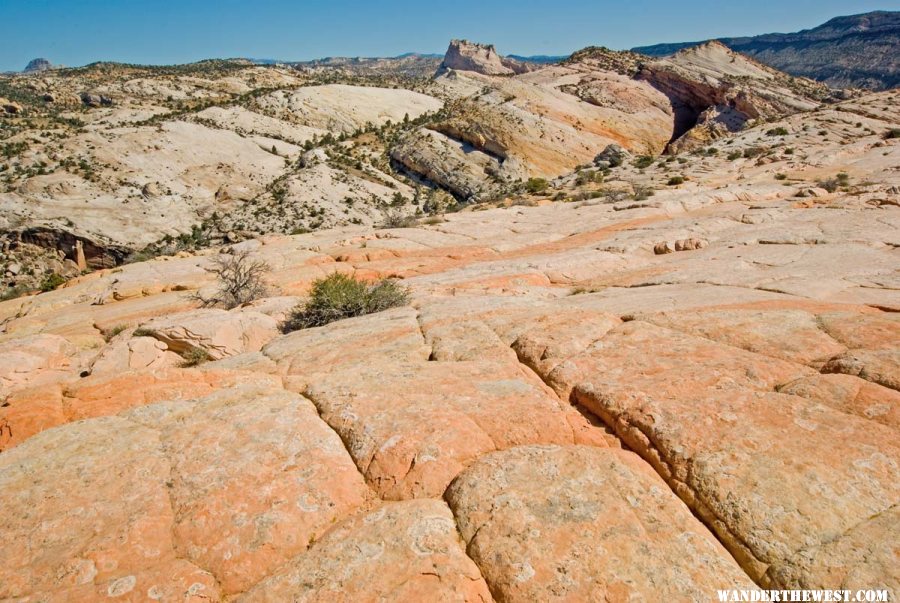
(193,357)
(833,184)
(675,180)
(536,185)
(52,281)
(396,219)
(641,192)
(108,334)
(781,131)
(240,280)
(751,152)
(829,184)
(338,296)
(780,176)
(734,155)
(14,292)
(644,161)
(892,133)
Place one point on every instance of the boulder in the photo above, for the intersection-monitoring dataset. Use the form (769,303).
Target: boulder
(10,107)
(95,100)
(613,155)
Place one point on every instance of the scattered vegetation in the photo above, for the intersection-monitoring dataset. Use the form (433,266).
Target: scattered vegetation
(109,334)
(644,161)
(840,181)
(781,131)
(536,185)
(892,133)
(396,219)
(641,192)
(339,296)
(241,279)
(52,281)
(194,356)
(675,180)
(14,292)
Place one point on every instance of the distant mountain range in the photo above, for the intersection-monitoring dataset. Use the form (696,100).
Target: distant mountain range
(854,51)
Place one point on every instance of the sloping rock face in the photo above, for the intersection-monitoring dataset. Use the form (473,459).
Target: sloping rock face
(500,130)
(715,91)
(855,51)
(559,414)
(480,58)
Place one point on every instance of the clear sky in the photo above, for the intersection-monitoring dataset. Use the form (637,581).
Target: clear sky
(76,32)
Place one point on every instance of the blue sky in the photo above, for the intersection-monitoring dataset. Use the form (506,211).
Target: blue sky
(76,32)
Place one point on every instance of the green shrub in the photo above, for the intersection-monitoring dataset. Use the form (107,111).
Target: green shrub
(14,292)
(536,185)
(675,180)
(892,133)
(734,155)
(752,152)
(52,281)
(644,161)
(338,296)
(778,132)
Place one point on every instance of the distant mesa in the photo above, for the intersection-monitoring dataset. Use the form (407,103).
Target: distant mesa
(36,65)
(463,55)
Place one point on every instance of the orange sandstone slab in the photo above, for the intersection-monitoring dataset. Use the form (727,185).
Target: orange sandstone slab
(402,551)
(774,475)
(256,477)
(411,427)
(572,523)
(86,510)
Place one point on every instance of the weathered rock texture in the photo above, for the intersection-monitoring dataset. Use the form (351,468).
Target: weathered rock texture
(560,412)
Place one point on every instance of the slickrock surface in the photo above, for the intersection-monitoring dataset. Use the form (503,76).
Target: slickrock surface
(560,413)
(584,524)
(405,551)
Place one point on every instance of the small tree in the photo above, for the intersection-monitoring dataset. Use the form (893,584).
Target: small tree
(240,279)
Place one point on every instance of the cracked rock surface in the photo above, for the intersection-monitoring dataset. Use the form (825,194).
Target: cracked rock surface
(559,414)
